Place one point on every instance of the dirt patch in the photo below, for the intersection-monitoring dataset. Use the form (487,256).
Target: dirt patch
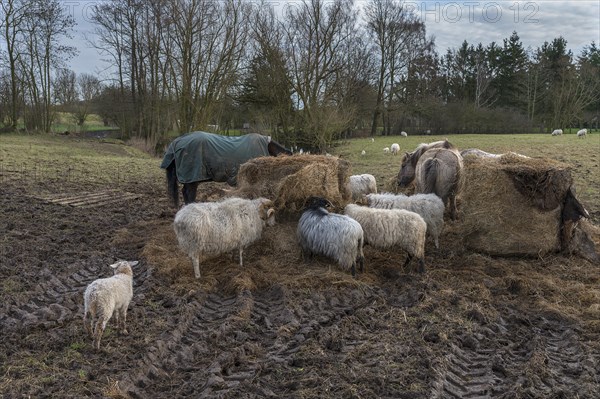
(472,325)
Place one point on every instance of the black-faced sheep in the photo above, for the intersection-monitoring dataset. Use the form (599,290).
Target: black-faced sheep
(361,185)
(392,228)
(429,206)
(207,229)
(335,236)
(107,296)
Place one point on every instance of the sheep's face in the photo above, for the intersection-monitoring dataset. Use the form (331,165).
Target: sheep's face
(123,267)
(267,213)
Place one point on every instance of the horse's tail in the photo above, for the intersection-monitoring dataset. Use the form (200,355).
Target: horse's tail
(431,169)
(172,184)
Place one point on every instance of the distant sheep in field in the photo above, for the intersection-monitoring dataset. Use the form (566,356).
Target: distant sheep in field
(395,148)
(107,296)
(386,150)
(363,152)
(392,228)
(360,185)
(372,140)
(206,229)
(557,132)
(482,154)
(582,133)
(336,236)
(429,206)
(403,134)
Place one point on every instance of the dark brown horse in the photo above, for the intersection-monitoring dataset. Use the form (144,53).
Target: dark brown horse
(199,157)
(437,168)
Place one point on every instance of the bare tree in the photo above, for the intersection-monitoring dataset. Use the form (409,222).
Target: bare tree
(316,32)
(399,37)
(89,88)
(45,27)
(65,90)
(11,26)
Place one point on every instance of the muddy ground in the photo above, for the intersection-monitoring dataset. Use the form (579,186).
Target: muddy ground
(471,326)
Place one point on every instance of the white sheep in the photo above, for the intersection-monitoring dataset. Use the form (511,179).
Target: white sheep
(429,206)
(582,133)
(392,228)
(206,229)
(386,150)
(395,148)
(107,296)
(360,185)
(403,134)
(336,236)
(363,152)
(372,139)
(557,132)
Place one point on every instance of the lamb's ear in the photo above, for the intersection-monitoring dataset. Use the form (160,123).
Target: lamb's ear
(133,263)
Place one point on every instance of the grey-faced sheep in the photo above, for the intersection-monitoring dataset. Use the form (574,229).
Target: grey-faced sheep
(395,148)
(392,228)
(429,206)
(207,229)
(336,236)
(361,185)
(107,296)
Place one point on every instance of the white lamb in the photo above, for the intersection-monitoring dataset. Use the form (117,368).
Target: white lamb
(392,228)
(363,152)
(403,134)
(360,185)
(107,296)
(557,132)
(386,150)
(429,206)
(582,133)
(206,229)
(395,148)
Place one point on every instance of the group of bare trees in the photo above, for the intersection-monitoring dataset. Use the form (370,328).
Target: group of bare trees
(305,72)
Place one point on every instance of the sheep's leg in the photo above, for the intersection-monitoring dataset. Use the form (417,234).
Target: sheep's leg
(436,241)
(421,265)
(196,262)
(124,321)
(98,331)
(353,269)
(408,259)
(87,323)
(306,255)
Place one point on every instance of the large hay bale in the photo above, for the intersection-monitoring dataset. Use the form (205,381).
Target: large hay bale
(512,205)
(290,180)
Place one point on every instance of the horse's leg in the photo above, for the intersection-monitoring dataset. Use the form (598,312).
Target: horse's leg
(189,192)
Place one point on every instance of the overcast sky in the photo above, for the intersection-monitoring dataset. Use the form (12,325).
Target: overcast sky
(451,22)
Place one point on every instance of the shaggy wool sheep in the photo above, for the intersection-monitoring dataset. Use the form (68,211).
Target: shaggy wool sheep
(206,229)
(392,228)
(429,206)
(336,236)
(107,296)
(360,185)
(395,148)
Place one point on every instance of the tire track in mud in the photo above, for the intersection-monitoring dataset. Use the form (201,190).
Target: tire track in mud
(546,357)
(228,345)
(58,300)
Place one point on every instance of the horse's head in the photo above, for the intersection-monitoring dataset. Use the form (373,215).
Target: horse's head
(407,170)
(276,149)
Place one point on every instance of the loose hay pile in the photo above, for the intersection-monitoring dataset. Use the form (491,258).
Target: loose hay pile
(513,206)
(289,181)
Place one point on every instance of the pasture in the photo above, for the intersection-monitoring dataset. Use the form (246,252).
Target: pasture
(472,325)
